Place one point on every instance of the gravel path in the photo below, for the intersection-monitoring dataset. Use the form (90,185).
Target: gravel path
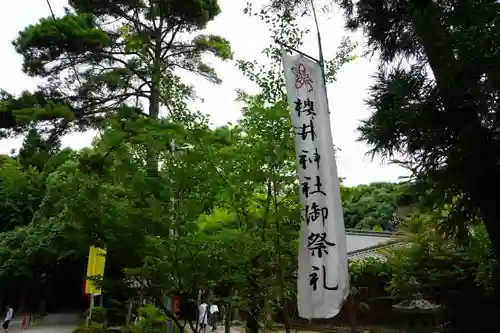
(55,323)
(45,329)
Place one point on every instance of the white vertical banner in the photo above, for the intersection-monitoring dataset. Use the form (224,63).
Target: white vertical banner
(323,278)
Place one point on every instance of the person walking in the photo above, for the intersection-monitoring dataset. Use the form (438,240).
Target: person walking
(214,316)
(202,316)
(8,318)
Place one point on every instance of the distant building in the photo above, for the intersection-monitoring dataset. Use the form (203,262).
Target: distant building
(363,244)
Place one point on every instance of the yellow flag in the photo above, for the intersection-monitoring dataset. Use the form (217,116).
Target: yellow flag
(95,267)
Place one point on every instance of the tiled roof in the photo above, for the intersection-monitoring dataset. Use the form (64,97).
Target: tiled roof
(374,252)
(365,244)
(382,234)
(358,240)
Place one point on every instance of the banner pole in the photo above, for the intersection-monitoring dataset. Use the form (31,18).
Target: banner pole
(91,308)
(295,50)
(321,56)
(320,44)
(321,60)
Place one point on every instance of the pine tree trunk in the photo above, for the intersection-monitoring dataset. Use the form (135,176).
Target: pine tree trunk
(227,318)
(352,313)
(235,313)
(435,41)
(129,311)
(255,304)
(21,302)
(43,305)
(490,211)
(286,318)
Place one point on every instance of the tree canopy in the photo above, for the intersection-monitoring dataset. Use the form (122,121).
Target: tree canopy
(100,56)
(187,208)
(438,109)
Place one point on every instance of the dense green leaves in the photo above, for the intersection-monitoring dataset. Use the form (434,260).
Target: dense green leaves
(443,271)
(182,208)
(376,206)
(20,194)
(101,56)
(439,113)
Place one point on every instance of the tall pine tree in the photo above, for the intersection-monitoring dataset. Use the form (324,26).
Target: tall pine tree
(102,55)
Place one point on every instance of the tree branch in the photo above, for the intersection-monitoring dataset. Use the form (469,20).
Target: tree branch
(141,76)
(184,50)
(194,70)
(121,97)
(170,42)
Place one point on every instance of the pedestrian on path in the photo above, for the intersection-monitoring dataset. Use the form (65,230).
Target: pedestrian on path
(202,316)
(8,318)
(25,323)
(214,316)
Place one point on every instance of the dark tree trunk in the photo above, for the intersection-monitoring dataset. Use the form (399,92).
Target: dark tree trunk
(483,186)
(43,305)
(255,304)
(490,211)
(21,302)
(287,322)
(449,79)
(227,318)
(353,323)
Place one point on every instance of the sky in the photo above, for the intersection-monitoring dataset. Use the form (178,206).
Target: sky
(248,36)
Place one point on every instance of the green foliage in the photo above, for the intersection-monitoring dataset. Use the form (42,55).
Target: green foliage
(179,206)
(99,57)
(220,212)
(373,267)
(434,266)
(376,206)
(94,328)
(49,39)
(21,190)
(99,316)
(440,112)
(17,113)
(284,27)
(194,14)
(431,266)
(223,206)
(360,271)
(151,320)
(445,272)
(36,151)
(116,312)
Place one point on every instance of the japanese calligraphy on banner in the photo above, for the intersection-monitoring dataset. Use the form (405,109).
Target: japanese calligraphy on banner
(323,279)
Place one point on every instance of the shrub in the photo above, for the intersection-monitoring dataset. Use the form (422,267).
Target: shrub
(93,328)
(99,315)
(151,320)
(116,312)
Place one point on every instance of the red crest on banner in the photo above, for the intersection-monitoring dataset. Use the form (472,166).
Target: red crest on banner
(302,77)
